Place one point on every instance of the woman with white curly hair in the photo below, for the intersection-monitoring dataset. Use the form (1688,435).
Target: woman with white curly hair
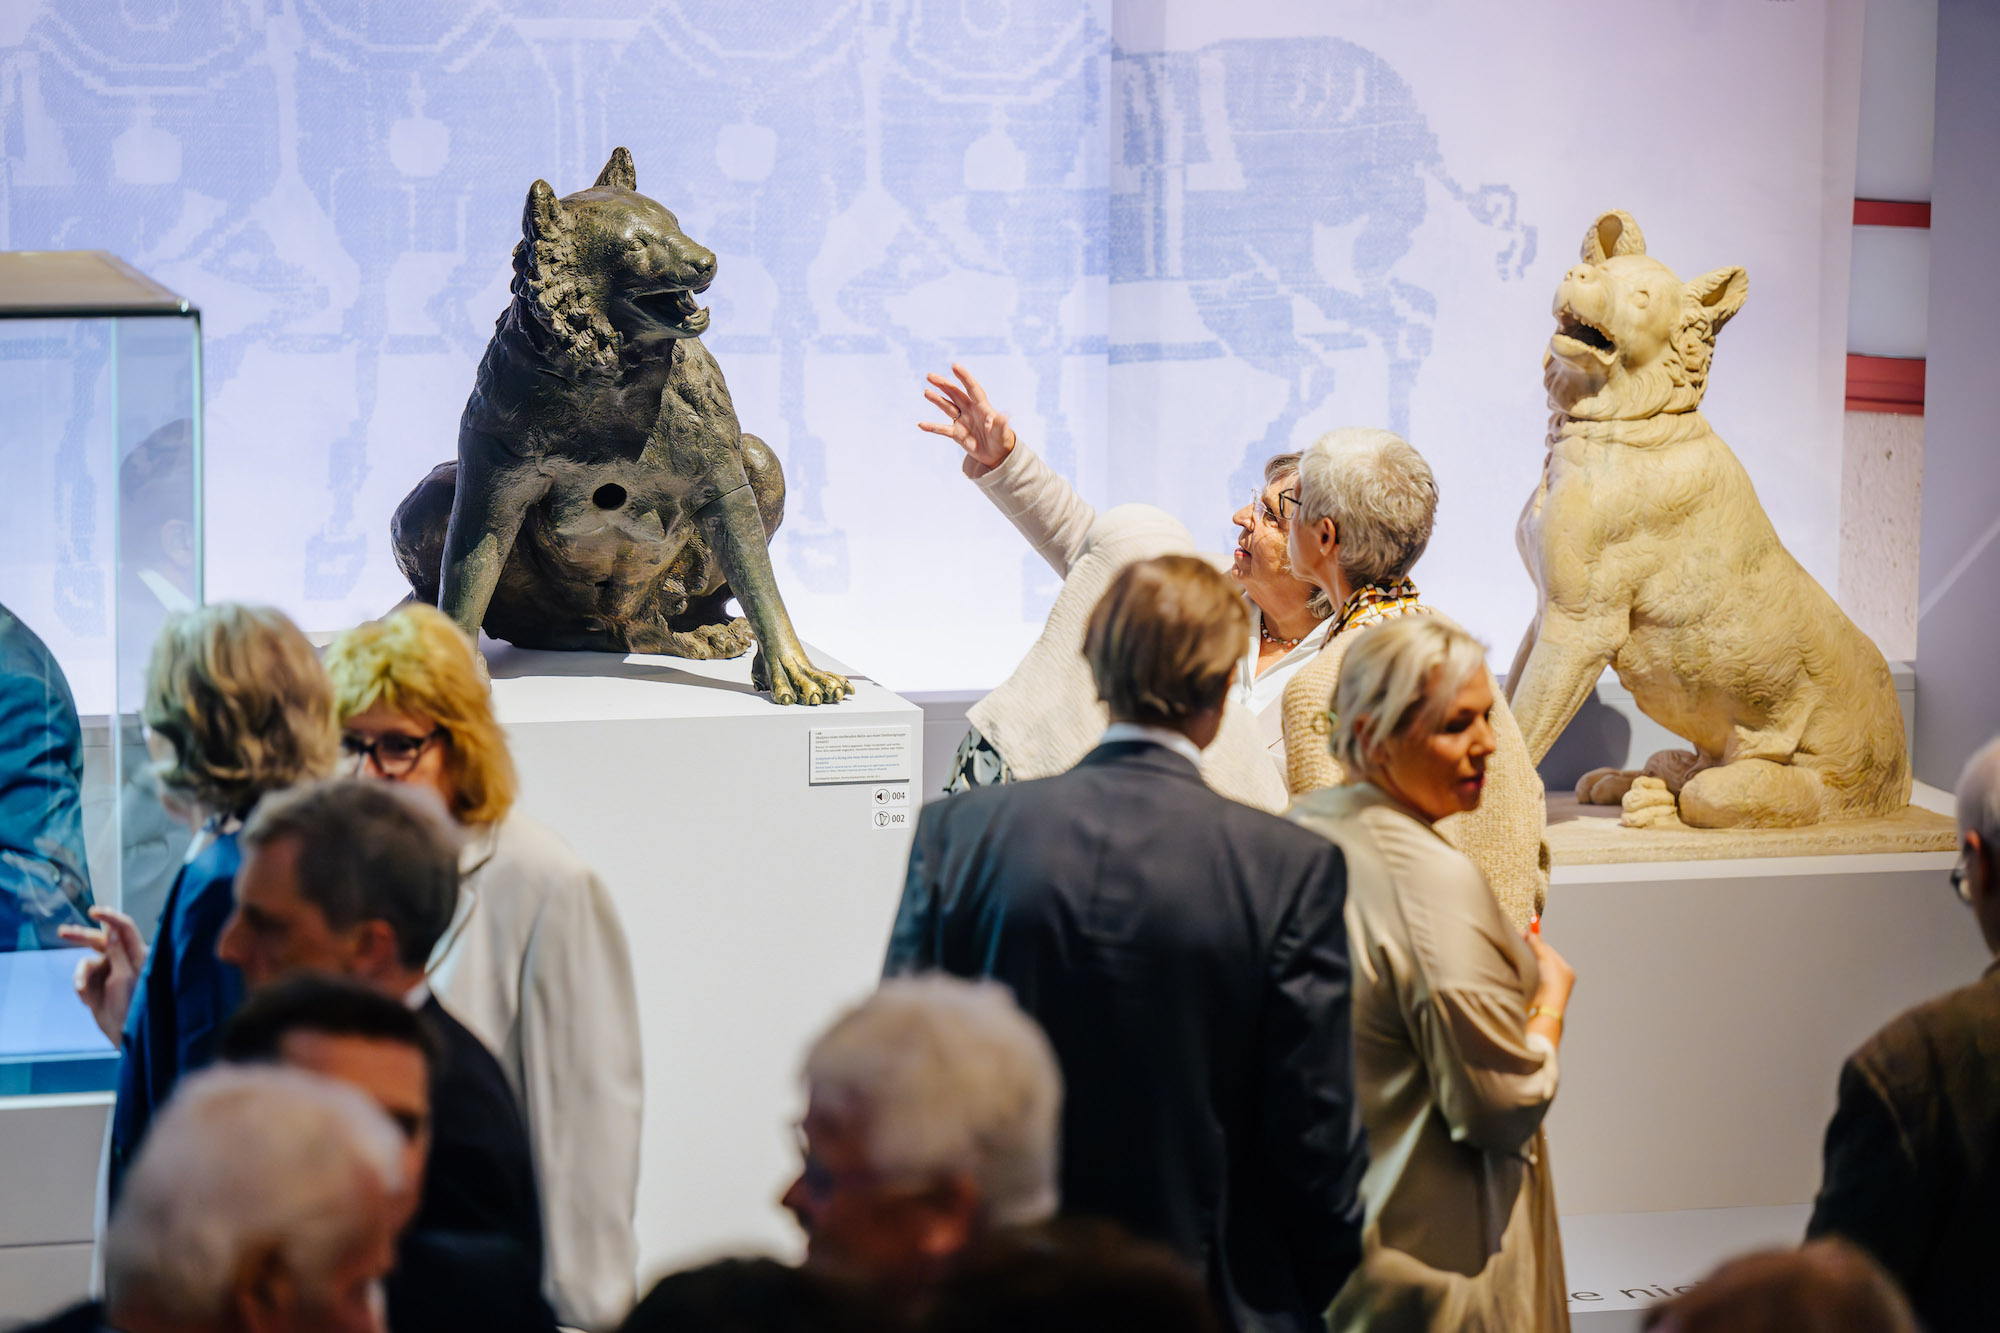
(1457,1017)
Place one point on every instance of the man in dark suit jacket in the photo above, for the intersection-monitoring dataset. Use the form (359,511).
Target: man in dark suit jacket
(360,879)
(1186,955)
(1913,1151)
(447,1277)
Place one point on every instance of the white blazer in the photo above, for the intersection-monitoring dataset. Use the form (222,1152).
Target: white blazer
(535,964)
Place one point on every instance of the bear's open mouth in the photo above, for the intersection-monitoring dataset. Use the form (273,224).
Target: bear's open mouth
(675,306)
(1576,328)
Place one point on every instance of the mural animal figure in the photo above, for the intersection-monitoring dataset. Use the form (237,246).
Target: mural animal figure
(604,496)
(1650,552)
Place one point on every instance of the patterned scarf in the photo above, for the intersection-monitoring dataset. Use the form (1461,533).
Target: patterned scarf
(1376,603)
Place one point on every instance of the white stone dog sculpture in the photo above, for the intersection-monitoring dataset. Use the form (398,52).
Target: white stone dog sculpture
(1650,552)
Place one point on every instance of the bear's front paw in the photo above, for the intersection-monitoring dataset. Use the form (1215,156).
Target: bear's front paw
(1604,786)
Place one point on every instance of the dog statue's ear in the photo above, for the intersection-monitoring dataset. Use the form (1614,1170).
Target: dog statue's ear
(1721,293)
(618,171)
(543,215)
(1614,233)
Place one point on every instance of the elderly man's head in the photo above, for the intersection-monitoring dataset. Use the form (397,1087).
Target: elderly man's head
(345,876)
(1366,504)
(1164,642)
(1828,1286)
(932,1116)
(1977,873)
(266,1201)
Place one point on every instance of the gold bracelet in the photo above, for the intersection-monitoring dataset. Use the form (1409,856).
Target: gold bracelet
(1543,1011)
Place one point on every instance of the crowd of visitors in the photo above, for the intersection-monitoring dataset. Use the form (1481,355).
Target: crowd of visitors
(1144,1054)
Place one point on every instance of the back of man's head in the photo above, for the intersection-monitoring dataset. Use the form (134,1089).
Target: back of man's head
(1164,640)
(263,1185)
(367,851)
(1079,1275)
(328,1005)
(1828,1286)
(948,1077)
(753,1296)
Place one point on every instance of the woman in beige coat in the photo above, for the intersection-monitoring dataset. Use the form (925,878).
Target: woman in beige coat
(1363,515)
(1456,1016)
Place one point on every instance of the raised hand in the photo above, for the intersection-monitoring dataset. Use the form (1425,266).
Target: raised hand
(105,982)
(971,420)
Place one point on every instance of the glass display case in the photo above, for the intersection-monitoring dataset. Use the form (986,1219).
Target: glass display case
(100,452)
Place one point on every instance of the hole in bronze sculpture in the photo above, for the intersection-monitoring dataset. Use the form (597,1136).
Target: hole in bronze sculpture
(609,496)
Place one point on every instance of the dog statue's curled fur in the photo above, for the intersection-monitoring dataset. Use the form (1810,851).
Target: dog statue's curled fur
(604,496)
(1650,552)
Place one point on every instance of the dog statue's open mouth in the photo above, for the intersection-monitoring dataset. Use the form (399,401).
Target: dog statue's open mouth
(676,308)
(1574,328)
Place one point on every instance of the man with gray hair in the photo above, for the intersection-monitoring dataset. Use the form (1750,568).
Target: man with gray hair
(360,879)
(1913,1151)
(931,1118)
(263,1199)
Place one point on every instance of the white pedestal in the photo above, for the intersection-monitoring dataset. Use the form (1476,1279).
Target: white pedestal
(757,906)
(1715,1001)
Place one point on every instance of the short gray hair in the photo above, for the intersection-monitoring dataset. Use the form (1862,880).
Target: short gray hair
(1979,798)
(1398,674)
(369,850)
(244,1159)
(1381,496)
(948,1076)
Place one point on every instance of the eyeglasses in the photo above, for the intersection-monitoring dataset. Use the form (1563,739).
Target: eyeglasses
(393,752)
(821,1181)
(1287,510)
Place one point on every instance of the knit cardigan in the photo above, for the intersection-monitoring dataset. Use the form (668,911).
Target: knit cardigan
(1046,715)
(1503,837)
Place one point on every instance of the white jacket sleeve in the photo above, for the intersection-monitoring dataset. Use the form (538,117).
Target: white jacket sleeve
(1041,505)
(583,1073)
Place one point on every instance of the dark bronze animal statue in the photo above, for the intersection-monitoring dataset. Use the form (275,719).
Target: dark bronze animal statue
(604,496)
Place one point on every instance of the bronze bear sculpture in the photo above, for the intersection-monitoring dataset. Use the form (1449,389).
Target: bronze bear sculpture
(604,497)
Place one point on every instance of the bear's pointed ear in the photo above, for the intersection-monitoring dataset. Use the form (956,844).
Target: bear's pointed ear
(1721,293)
(618,171)
(543,215)
(1614,233)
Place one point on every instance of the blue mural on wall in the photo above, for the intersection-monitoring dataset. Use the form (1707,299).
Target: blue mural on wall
(338,183)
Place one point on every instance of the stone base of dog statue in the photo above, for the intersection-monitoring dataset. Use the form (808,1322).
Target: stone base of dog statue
(1651,554)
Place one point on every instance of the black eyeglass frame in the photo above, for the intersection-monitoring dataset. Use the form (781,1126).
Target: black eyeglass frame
(356,750)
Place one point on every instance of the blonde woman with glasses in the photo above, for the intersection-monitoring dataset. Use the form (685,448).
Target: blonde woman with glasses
(1457,1018)
(236,706)
(535,963)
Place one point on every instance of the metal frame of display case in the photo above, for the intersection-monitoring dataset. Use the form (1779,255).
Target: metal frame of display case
(87,285)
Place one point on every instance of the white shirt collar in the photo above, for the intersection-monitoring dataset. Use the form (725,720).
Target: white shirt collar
(1119,732)
(166,594)
(1280,670)
(418,995)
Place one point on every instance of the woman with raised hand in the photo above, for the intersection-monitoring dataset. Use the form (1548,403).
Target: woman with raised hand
(535,962)
(1288,616)
(1457,1017)
(236,706)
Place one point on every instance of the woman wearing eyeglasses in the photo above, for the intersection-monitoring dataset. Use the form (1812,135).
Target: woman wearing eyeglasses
(1288,616)
(535,962)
